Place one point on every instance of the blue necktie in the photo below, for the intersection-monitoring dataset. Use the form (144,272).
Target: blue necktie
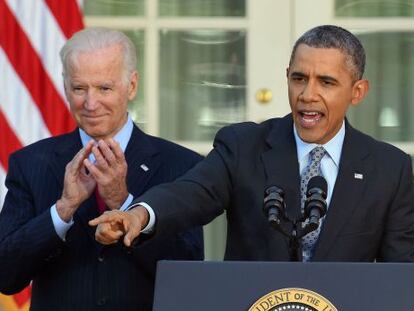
(313,169)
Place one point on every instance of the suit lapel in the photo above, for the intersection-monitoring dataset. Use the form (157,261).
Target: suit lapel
(348,190)
(142,161)
(281,164)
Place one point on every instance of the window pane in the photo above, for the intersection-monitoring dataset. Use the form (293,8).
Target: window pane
(136,107)
(379,8)
(202,8)
(202,82)
(388,111)
(114,7)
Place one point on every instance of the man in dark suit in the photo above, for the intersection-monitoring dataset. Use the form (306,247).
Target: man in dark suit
(57,185)
(370,194)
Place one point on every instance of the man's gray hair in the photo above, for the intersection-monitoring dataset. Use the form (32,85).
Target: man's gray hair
(335,37)
(96,38)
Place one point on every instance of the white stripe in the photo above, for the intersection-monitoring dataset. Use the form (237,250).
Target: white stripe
(80,4)
(3,189)
(18,106)
(45,35)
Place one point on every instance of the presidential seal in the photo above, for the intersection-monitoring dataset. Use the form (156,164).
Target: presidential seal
(293,299)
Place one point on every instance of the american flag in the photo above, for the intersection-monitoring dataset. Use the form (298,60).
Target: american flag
(32,100)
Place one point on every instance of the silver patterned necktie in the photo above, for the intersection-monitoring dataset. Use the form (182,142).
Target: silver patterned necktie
(313,169)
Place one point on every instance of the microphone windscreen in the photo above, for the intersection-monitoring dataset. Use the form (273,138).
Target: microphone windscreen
(318,182)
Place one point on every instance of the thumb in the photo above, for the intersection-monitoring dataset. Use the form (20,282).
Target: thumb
(130,236)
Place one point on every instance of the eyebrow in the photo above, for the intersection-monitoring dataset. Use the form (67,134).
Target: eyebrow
(328,78)
(298,74)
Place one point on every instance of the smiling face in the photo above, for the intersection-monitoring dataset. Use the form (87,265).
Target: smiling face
(321,87)
(98,92)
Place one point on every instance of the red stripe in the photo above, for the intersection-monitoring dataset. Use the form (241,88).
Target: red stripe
(9,141)
(67,14)
(28,66)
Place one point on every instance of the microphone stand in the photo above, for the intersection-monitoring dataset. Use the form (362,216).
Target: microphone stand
(295,231)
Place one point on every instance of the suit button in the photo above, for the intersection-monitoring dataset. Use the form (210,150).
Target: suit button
(100,258)
(101,301)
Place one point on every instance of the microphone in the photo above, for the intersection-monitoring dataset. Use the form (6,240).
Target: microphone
(315,204)
(274,205)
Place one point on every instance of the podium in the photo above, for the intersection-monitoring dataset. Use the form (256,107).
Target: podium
(274,286)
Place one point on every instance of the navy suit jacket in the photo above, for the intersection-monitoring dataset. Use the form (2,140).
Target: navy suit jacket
(371,213)
(79,273)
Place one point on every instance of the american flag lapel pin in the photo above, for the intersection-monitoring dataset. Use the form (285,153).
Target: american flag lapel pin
(358,176)
(144,167)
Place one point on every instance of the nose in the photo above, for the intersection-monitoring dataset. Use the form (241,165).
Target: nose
(91,101)
(309,92)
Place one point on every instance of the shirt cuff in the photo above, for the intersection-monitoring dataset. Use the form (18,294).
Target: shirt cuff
(61,227)
(149,228)
(124,207)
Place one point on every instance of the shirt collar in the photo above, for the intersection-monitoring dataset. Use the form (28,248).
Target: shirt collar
(122,137)
(332,147)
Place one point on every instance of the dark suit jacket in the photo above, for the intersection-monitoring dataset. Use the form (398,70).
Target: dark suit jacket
(368,219)
(81,274)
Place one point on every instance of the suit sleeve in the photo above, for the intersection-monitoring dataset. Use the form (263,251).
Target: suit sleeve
(398,240)
(201,194)
(27,240)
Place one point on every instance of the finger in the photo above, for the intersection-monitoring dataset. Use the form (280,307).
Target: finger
(131,234)
(106,236)
(93,170)
(106,217)
(110,236)
(107,152)
(101,161)
(117,226)
(76,163)
(85,171)
(117,150)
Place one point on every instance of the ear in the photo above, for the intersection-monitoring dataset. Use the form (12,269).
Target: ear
(65,86)
(287,72)
(359,91)
(133,85)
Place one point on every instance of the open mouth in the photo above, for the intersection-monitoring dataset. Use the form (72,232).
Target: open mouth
(309,119)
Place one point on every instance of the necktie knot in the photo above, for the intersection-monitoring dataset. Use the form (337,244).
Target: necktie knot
(314,166)
(317,154)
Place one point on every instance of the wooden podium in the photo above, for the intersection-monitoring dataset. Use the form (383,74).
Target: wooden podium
(274,286)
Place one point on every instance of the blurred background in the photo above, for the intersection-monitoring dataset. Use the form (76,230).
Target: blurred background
(207,63)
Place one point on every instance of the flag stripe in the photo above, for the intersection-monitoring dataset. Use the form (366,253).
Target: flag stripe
(10,142)
(36,20)
(28,65)
(32,99)
(67,14)
(18,107)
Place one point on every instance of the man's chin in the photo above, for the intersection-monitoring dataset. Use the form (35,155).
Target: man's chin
(311,136)
(94,132)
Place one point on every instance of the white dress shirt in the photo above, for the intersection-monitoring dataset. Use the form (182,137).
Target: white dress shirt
(329,163)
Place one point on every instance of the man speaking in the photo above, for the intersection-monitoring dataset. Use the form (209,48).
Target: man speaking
(370,198)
